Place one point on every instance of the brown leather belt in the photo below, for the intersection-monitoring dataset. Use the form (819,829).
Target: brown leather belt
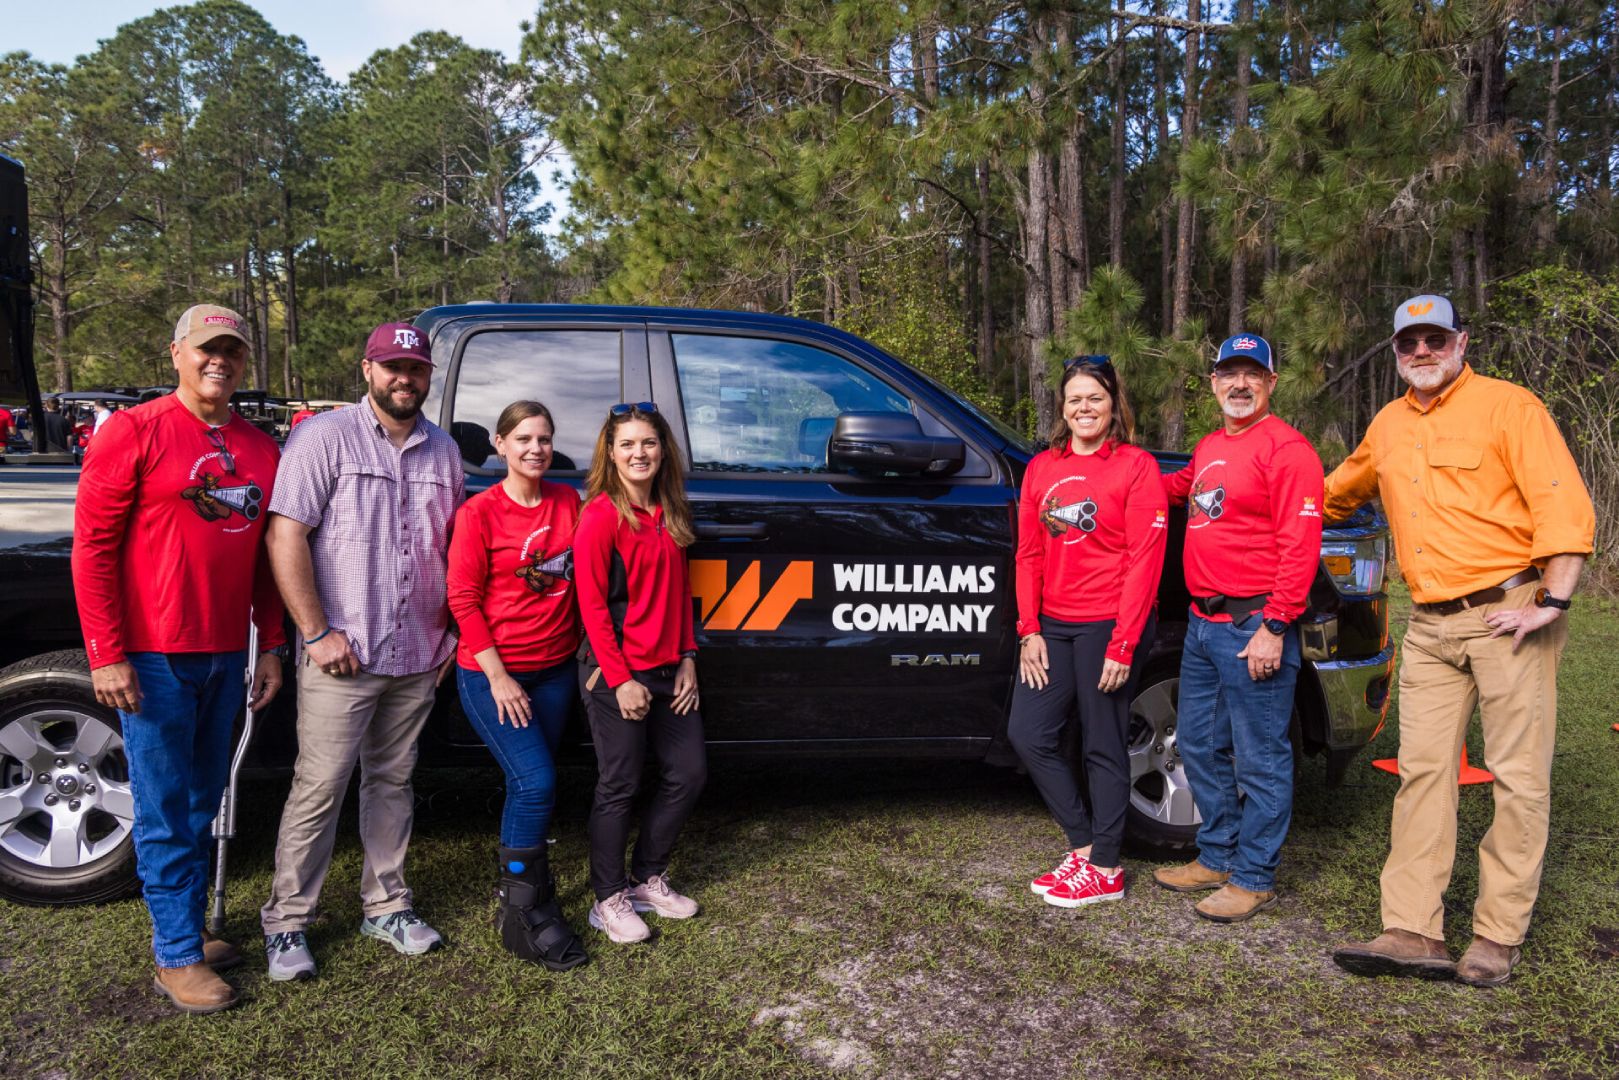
(1492,595)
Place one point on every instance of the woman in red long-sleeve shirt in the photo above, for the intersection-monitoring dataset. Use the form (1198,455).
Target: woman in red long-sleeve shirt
(511,592)
(640,680)
(1092,520)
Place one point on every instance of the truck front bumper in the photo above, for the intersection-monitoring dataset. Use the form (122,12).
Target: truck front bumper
(1356,696)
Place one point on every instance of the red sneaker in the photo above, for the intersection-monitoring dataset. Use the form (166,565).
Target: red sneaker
(1089,886)
(1071,864)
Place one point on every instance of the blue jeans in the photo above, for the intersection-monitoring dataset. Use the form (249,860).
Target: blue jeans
(1233,733)
(179,747)
(526,754)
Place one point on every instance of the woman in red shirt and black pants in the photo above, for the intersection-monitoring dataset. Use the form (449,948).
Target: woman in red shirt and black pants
(640,680)
(1092,519)
(511,592)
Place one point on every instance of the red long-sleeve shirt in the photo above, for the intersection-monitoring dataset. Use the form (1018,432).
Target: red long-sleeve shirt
(1253,522)
(168,547)
(657,622)
(1091,530)
(501,590)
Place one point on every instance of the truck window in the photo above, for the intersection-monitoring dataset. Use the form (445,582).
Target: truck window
(761,405)
(574,373)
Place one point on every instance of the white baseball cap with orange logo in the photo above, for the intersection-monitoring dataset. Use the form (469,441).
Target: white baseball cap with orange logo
(1426,310)
(201,323)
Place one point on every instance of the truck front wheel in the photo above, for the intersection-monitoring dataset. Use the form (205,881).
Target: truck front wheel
(66,813)
(1161,812)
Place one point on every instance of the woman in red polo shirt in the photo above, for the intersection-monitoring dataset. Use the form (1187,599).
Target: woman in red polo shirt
(511,592)
(640,677)
(1092,519)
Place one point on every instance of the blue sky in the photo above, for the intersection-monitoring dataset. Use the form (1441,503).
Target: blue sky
(340,33)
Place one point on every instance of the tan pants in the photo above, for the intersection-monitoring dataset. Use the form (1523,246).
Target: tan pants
(373,720)
(1450,666)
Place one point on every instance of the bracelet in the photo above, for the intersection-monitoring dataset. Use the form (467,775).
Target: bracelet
(1024,640)
(317,637)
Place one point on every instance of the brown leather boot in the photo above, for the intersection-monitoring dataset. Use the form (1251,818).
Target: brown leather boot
(218,953)
(194,988)
(1487,964)
(1397,952)
(1193,877)
(1233,903)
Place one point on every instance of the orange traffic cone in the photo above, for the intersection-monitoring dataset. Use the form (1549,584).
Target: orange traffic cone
(1467,775)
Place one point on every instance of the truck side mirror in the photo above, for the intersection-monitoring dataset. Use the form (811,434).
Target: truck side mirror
(878,443)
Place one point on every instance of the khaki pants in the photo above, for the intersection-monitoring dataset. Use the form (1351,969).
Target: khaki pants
(1450,665)
(373,720)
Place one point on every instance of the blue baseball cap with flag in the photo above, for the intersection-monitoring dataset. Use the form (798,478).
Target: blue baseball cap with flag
(1246,347)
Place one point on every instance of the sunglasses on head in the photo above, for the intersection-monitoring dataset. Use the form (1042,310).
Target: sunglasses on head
(1405,346)
(1096,360)
(227,460)
(625,408)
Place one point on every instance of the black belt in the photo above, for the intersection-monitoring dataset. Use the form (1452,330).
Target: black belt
(1493,595)
(1234,606)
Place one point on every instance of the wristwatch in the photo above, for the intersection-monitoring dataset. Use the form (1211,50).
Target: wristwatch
(1277,626)
(281,652)
(1546,599)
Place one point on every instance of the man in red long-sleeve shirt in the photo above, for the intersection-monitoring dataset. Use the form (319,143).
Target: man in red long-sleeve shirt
(1253,538)
(168,557)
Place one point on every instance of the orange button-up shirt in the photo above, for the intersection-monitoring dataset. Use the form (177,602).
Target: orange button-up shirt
(1478,484)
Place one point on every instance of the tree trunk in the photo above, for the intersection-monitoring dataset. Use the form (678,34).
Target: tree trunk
(986,305)
(290,303)
(1546,215)
(1184,233)
(1238,317)
(1121,113)
(1037,290)
(1166,226)
(1076,268)
(60,325)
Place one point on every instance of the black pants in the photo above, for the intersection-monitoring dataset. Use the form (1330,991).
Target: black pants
(621,746)
(1075,652)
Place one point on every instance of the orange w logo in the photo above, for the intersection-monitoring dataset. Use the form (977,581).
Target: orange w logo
(740,607)
(1419,309)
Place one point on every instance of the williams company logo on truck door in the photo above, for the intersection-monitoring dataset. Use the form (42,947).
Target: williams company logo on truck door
(759,596)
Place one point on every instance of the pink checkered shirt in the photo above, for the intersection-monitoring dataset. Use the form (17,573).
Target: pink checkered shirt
(381,519)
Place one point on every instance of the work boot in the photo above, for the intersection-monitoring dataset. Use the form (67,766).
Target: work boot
(218,953)
(529,919)
(195,988)
(1233,903)
(1193,877)
(1396,952)
(1487,964)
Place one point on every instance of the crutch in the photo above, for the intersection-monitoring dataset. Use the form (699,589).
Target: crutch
(225,822)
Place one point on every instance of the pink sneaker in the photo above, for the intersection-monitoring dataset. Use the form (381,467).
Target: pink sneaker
(655,895)
(1089,886)
(616,917)
(1071,864)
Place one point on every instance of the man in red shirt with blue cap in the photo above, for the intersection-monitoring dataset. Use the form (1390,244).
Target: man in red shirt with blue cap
(1253,538)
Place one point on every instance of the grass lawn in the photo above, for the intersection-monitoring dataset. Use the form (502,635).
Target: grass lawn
(873,919)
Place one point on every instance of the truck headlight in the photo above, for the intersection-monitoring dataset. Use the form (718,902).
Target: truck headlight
(1357,567)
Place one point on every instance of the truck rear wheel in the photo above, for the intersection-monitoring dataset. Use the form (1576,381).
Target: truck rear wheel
(66,813)
(1161,813)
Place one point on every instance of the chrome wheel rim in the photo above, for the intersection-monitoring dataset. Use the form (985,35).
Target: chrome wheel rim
(64,789)
(1159,788)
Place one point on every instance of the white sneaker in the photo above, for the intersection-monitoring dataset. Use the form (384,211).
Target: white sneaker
(655,895)
(289,955)
(404,930)
(616,917)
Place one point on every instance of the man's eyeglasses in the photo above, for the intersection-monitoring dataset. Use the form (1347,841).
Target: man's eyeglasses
(625,408)
(1405,346)
(1097,361)
(227,460)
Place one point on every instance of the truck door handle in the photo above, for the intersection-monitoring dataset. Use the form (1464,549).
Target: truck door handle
(747,530)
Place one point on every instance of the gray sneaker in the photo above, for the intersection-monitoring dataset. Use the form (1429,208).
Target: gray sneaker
(290,958)
(404,930)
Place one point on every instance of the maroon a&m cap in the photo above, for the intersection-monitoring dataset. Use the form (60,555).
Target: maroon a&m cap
(397,341)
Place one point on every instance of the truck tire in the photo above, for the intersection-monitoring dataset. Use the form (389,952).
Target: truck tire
(66,813)
(1161,813)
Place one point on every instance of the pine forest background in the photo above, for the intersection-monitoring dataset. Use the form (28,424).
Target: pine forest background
(981,188)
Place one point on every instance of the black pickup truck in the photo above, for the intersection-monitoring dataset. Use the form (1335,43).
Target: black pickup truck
(852,577)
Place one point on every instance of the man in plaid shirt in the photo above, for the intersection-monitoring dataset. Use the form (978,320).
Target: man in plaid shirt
(358,536)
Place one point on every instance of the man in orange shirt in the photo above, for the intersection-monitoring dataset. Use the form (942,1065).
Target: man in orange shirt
(1492,525)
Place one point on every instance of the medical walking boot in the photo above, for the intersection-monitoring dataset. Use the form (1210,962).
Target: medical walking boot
(529,919)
